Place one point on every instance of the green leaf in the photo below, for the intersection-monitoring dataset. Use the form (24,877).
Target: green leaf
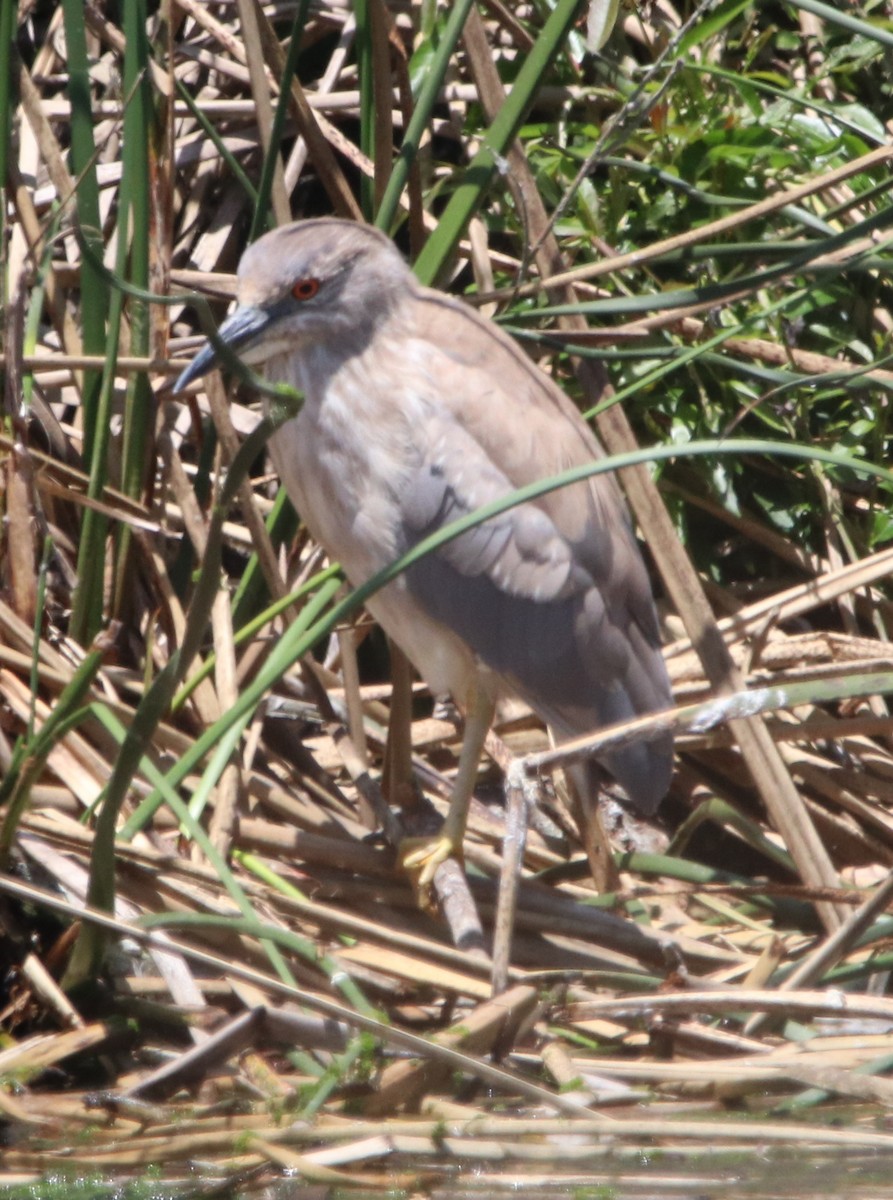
(600,21)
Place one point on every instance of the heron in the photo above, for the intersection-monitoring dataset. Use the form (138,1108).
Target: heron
(416,411)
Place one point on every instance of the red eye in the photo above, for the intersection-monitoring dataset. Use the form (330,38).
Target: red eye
(305,289)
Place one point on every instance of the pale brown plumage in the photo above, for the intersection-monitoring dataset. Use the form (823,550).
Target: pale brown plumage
(418,410)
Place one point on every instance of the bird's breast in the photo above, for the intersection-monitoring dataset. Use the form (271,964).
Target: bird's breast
(345,459)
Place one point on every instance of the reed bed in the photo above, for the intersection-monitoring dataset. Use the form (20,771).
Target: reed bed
(213,965)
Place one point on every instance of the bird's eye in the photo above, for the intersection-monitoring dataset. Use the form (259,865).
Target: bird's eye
(305,289)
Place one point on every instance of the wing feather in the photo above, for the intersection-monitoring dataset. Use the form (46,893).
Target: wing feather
(552,595)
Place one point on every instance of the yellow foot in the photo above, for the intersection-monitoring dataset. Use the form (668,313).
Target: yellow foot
(425,854)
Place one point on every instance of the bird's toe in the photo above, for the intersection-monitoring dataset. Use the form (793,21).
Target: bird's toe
(423,855)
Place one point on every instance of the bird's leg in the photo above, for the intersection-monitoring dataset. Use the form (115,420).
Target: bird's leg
(426,854)
(398,783)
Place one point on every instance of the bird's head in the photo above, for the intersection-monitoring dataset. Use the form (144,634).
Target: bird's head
(318,281)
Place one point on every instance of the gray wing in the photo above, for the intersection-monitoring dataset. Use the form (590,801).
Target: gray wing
(567,621)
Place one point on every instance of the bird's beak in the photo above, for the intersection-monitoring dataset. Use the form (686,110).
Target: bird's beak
(237,332)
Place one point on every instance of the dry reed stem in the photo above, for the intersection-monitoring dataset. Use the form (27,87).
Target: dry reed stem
(595,998)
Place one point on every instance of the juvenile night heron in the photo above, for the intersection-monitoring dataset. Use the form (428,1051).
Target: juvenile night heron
(416,411)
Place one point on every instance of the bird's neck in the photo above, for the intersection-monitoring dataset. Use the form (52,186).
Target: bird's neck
(319,364)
